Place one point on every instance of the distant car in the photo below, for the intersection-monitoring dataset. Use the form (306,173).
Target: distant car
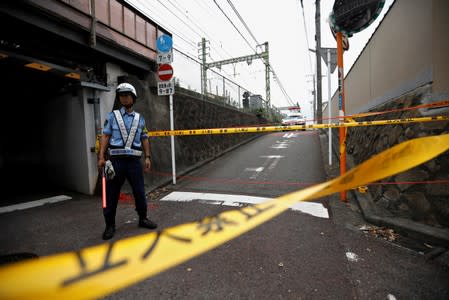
(295,119)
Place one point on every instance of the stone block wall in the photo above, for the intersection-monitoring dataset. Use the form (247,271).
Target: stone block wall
(415,193)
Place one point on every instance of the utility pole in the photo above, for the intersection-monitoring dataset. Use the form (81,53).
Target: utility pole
(319,97)
(267,79)
(314,99)
(313,94)
(264,55)
(203,56)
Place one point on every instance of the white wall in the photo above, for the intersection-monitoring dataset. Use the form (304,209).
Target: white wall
(65,142)
(106,104)
(70,135)
(398,58)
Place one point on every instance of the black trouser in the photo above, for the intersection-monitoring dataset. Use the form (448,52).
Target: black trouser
(129,168)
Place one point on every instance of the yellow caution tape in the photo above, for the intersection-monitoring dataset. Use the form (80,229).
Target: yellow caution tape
(349,120)
(294,127)
(97,271)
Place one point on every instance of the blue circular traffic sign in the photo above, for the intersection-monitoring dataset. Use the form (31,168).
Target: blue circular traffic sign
(164,43)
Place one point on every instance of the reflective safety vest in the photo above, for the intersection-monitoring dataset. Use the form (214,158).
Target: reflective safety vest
(127,138)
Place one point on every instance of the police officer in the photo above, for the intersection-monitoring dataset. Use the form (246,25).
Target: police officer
(126,139)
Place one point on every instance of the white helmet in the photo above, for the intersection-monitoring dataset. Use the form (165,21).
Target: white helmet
(126,87)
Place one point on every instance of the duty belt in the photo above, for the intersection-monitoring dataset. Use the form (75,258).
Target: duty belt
(125,151)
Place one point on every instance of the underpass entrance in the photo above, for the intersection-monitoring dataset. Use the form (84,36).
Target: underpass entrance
(27,147)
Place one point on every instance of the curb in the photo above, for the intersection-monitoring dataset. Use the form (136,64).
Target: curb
(413,229)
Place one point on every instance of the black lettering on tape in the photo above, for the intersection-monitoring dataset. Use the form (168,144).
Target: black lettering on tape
(214,224)
(156,240)
(86,274)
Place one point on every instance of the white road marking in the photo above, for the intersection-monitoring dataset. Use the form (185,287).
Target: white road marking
(275,159)
(31,204)
(274,163)
(289,135)
(255,171)
(281,145)
(311,208)
(259,169)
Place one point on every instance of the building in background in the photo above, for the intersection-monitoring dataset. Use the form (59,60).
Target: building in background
(255,102)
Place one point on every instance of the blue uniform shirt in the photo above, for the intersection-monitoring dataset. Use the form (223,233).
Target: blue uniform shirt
(112,128)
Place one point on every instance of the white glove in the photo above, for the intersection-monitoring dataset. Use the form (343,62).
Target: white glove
(109,170)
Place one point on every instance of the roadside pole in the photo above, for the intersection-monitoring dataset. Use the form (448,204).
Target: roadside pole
(172,137)
(329,56)
(344,22)
(341,108)
(166,85)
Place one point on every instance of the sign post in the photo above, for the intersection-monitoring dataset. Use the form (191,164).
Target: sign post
(329,102)
(172,140)
(330,57)
(166,86)
(345,20)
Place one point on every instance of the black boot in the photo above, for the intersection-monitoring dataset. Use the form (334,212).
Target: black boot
(147,223)
(109,232)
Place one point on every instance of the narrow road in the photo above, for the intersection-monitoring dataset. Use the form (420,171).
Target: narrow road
(301,254)
(312,251)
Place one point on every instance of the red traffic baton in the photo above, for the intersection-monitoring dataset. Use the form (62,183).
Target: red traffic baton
(103,186)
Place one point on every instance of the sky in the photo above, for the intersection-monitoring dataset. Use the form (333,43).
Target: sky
(280,23)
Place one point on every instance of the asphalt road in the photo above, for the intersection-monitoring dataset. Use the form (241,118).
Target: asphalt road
(297,255)
(270,166)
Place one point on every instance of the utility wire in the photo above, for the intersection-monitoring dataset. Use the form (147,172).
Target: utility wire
(306,36)
(198,62)
(180,35)
(243,21)
(208,10)
(265,62)
(235,27)
(176,16)
(144,4)
(199,35)
(308,47)
(177,8)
